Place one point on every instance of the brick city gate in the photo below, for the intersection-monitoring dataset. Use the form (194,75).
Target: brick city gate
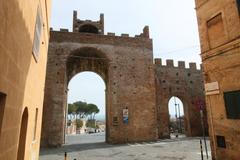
(184,83)
(125,64)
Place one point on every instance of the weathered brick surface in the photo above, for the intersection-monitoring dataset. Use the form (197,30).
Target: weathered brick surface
(221,64)
(184,83)
(126,66)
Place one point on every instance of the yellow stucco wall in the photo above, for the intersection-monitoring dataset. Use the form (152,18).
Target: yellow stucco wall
(22,78)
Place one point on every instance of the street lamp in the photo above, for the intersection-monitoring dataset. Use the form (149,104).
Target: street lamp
(176,115)
(180,123)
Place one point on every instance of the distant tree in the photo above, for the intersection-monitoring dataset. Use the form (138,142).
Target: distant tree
(93,110)
(72,109)
(79,123)
(81,109)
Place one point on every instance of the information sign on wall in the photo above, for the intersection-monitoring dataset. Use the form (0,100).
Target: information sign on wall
(125,116)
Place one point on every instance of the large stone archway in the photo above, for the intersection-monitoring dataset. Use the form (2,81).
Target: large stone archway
(125,64)
(187,85)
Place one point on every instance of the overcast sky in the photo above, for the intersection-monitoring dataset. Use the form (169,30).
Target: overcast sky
(173,28)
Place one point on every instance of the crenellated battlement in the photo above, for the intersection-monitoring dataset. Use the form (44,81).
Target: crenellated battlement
(97,27)
(89,27)
(181,64)
(144,35)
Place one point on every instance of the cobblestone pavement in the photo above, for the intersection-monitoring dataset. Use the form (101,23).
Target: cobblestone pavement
(92,147)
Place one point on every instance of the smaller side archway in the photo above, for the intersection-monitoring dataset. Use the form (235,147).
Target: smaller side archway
(23,135)
(186,84)
(176,117)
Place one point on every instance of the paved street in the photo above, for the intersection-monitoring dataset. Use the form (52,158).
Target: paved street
(92,147)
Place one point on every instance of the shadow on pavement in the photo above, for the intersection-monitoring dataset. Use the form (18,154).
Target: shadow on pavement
(77,147)
(102,145)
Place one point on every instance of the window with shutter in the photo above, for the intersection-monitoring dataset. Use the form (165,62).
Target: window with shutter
(37,35)
(216,31)
(232,104)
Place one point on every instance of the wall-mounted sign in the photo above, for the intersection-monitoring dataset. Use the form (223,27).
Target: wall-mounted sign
(125,116)
(212,88)
(200,104)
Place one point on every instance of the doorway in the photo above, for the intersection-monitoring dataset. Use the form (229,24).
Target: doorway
(23,135)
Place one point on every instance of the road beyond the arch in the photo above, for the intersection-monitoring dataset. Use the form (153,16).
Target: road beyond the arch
(93,147)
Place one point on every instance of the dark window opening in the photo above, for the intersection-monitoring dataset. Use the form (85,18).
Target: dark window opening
(221,141)
(232,104)
(88,29)
(2,108)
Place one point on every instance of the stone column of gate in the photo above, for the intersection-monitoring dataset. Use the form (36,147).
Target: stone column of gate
(163,119)
(131,86)
(54,101)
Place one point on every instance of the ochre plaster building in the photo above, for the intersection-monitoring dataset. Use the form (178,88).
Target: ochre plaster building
(219,30)
(24,38)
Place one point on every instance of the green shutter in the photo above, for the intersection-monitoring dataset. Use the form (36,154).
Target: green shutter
(232,104)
